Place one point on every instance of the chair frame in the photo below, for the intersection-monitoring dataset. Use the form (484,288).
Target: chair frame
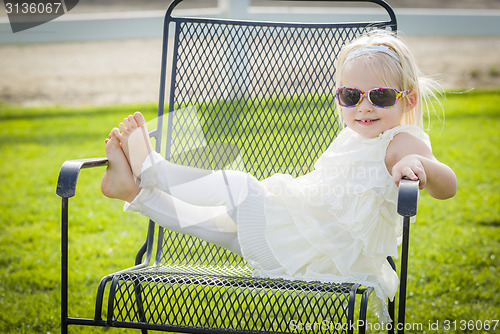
(66,188)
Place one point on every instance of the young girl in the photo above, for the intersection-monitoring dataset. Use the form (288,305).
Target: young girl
(337,223)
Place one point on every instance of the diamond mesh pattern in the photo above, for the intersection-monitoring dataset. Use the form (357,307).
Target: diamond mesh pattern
(263,98)
(230,302)
(253,97)
(266,90)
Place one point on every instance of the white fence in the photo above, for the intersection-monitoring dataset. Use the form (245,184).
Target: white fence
(148,24)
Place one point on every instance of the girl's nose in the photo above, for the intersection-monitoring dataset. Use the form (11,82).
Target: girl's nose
(365,105)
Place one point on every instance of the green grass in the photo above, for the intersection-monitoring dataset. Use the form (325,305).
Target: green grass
(453,246)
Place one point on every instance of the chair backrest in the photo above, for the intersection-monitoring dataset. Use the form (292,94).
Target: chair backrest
(255,96)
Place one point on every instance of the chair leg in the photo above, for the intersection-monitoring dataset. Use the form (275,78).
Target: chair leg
(391,313)
(64,265)
(64,328)
(140,309)
(404,275)
(363,310)
(138,298)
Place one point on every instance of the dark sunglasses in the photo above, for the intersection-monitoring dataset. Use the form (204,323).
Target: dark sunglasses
(382,97)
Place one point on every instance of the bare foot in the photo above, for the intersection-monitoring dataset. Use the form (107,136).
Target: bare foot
(134,139)
(118,181)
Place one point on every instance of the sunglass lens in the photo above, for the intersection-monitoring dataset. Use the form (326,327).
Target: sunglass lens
(383,97)
(348,97)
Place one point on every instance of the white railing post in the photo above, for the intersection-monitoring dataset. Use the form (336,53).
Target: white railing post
(234,8)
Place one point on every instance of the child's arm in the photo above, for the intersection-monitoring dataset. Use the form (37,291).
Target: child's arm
(407,156)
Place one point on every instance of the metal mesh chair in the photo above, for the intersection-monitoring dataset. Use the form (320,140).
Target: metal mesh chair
(255,96)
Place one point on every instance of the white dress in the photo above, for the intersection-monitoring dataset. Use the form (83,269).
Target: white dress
(337,223)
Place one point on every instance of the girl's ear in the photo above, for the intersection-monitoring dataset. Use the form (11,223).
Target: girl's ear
(411,101)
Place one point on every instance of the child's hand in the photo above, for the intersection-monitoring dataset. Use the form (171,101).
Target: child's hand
(410,167)
(409,157)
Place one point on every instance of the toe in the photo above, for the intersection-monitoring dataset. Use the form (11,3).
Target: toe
(123,128)
(116,134)
(133,122)
(111,146)
(127,124)
(139,118)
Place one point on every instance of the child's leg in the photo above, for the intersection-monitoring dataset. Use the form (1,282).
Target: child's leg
(193,185)
(211,223)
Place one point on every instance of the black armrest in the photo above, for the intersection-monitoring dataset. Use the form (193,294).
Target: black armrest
(407,198)
(66,184)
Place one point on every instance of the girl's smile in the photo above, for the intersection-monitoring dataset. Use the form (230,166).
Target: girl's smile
(366,121)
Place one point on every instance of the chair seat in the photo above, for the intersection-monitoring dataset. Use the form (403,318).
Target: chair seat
(167,296)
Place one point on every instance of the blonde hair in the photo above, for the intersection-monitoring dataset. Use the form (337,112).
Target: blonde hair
(405,71)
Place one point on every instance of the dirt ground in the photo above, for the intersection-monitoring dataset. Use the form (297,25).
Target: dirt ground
(118,72)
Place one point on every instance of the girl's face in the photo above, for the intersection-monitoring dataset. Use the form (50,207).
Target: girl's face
(365,119)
